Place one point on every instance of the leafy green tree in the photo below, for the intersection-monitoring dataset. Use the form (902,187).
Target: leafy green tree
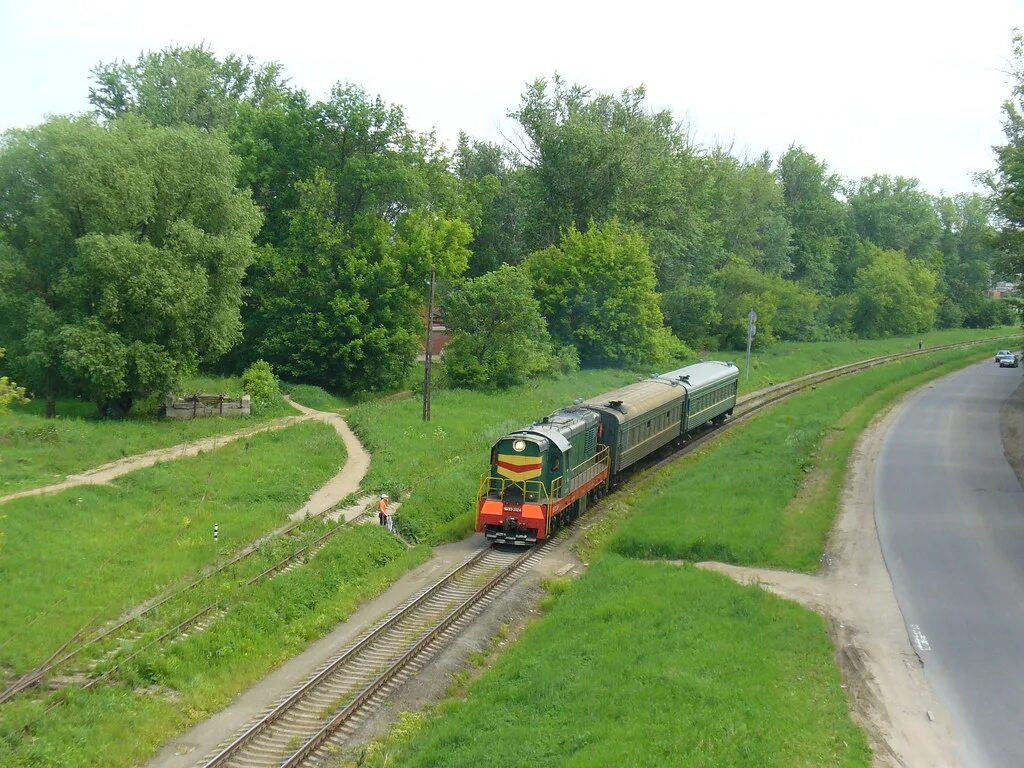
(785,310)
(499,337)
(597,291)
(338,304)
(748,213)
(820,221)
(894,213)
(1008,180)
(969,245)
(122,251)
(183,86)
(278,145)
(490,179)
(593,157)
(741,288)
(894,295)
(691,311)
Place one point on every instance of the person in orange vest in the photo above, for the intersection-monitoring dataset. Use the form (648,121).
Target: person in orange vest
(382,509)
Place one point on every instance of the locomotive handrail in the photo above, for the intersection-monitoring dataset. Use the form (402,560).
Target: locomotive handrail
(529,487)
(601,456)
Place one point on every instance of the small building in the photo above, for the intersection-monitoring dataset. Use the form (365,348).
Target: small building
(439,335)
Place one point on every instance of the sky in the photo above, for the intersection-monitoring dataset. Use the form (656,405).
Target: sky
(899,87)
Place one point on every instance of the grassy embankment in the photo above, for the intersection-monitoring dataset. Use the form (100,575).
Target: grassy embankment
(37,451)
(785,361)
(440,463)
(169,688)
(82,556)
(646,663)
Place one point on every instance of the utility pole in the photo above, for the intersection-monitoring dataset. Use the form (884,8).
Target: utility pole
(429,356)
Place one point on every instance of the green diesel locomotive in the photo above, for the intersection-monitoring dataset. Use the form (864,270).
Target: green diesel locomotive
(544,476)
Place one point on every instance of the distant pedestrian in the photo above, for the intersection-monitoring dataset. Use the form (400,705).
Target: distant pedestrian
(920,345)
(382,509)
(391,522)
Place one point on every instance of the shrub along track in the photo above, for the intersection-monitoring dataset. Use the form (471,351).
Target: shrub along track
(321,713)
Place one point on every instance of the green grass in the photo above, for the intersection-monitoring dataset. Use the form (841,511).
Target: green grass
(168,689)
(440,462)
(82,556)
(787,360)
(645,664)
(732,502)
(704,672)
(315,397)
(37,451)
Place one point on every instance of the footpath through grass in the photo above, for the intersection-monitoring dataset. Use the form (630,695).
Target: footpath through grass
(37,451)
(643,663)
(82,556)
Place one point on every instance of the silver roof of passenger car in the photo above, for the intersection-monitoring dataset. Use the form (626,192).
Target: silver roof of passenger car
(700,375)
(639,397)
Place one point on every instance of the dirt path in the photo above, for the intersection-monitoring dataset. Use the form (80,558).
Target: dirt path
(884,678)
(107,472)
(346,482)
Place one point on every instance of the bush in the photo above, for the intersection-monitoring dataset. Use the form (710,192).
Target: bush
(260,383)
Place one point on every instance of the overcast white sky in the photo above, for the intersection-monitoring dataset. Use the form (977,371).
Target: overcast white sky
(910,88)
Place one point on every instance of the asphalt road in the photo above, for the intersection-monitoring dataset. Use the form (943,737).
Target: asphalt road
(950,517)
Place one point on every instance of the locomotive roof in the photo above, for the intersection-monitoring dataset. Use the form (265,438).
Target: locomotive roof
(703,374)
(639,397)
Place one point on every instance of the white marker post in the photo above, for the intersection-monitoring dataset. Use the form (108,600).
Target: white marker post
(216,531)
(751,330)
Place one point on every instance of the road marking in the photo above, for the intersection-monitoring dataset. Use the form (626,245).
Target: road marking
(919,638)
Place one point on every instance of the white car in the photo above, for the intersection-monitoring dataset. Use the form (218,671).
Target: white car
(1006,359)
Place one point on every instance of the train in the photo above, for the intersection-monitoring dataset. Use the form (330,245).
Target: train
(545,476)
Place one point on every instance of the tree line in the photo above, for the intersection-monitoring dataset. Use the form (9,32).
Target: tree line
(207,213)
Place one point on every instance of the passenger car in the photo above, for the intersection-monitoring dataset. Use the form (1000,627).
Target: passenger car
(1007,359)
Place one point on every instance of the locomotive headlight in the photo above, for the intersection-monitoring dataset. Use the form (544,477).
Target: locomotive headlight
(519,446)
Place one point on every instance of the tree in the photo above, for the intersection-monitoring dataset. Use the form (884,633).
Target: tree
(748,213)
(819,220)
(741,288)
(490,179)
(183,86)
(597,291)
(122,251)
(691,311)
(338,304)
(895,214)
(894,295)
(969,245)
(1007,182)
(593,157)
(499,337)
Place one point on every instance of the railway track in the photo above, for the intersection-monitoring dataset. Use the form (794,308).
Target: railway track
(321,713)
(78,646)
(747,406)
